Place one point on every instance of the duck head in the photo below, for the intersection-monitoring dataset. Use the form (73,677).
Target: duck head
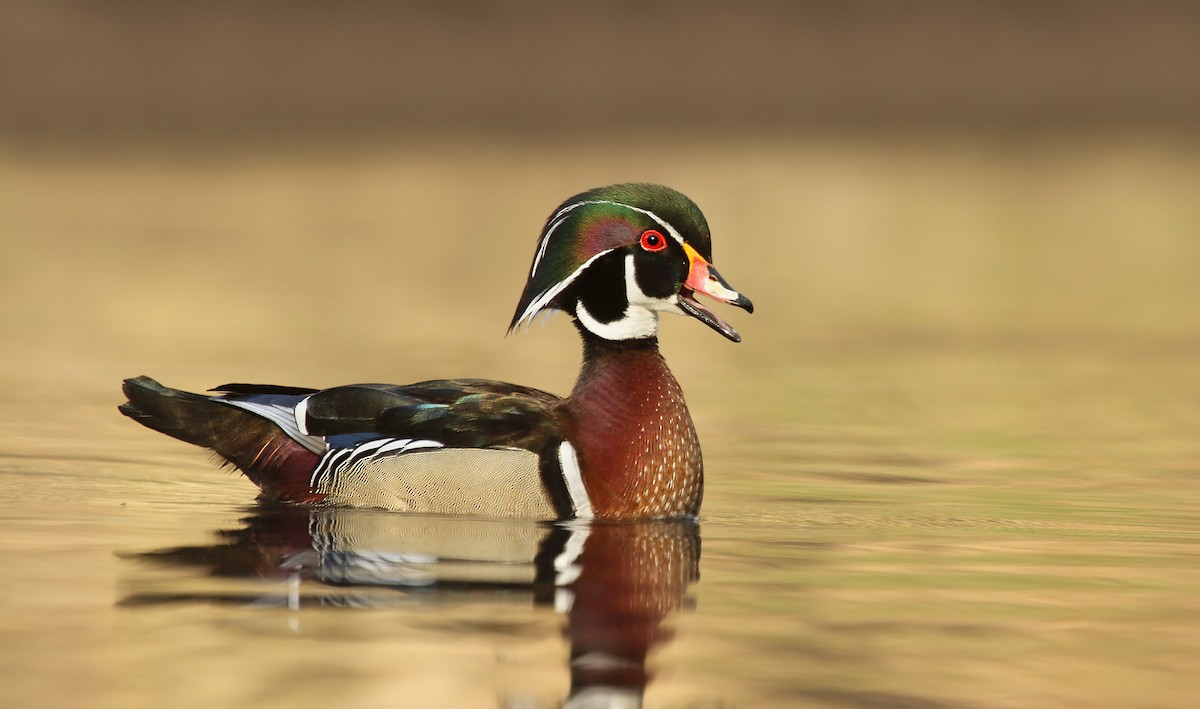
(615,257)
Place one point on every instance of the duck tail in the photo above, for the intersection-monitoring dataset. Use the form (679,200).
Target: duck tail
(276,462)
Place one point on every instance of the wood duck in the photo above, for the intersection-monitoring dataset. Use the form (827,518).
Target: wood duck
(621,446)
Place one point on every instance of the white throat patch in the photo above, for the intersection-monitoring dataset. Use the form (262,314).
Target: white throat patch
(640,318)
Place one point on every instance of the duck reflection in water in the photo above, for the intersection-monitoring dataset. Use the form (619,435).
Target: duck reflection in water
(615,582)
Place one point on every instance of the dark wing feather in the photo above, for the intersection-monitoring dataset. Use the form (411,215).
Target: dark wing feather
(470,413)
(476,420)
(353,408)
(447,391)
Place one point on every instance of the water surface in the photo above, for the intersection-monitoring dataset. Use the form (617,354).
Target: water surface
(953,463)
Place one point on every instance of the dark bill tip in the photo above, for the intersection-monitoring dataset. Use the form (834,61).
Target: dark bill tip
(708,317)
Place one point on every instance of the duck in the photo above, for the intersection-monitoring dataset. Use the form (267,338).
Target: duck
(621,446)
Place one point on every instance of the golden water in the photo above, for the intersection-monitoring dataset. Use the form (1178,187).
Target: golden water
(953,463)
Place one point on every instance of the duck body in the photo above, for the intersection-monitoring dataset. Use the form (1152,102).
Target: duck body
(621,446)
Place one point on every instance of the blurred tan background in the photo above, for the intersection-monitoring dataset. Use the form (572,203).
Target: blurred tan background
(267,190)
(135,71)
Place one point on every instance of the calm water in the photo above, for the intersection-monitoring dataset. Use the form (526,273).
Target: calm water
(953,463)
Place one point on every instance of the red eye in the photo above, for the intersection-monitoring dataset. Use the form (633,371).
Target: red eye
(653,241)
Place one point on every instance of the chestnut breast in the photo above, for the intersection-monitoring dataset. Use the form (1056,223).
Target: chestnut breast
(637,447)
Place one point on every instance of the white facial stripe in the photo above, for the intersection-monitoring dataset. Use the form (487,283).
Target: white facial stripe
(633,292)
(561,215)
(659,220)
(545,241)
(635,296)
(541,301)
(570,207)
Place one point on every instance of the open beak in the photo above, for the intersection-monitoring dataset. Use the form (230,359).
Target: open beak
(703,278)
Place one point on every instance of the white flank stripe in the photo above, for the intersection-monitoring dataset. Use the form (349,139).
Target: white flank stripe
(574,479)
(320,474)
(344,458)
(396,445)
(283,416)
(372,445)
